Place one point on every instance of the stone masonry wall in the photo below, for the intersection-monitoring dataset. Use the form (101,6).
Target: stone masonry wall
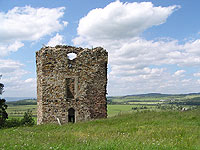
(79,84)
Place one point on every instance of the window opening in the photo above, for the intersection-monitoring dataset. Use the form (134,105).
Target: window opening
(70,88)
(71,56)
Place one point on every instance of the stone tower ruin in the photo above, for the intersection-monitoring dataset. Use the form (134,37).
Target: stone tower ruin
(71,90)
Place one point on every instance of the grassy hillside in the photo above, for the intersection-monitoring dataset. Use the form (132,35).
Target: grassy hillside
(155,97)
(23,102)
(147,130)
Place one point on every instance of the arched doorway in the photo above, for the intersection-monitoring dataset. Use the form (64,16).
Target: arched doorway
(71,115)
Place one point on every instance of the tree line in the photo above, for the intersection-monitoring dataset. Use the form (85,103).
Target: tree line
(26,120)
(3,107)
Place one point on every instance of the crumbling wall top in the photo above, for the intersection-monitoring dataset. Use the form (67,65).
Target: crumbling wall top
(70,49)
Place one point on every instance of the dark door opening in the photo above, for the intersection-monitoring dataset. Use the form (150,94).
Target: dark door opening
(71,115)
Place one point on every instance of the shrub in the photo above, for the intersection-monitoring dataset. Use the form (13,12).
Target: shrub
(28,120)
(14,122)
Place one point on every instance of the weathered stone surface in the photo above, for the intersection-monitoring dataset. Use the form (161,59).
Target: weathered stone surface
(71,90)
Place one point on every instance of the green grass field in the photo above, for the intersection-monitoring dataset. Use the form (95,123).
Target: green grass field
(114,110)
(121,103)
(145,103)
(18,110)
(146,130)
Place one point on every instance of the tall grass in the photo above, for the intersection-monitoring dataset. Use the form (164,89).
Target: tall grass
(147,130)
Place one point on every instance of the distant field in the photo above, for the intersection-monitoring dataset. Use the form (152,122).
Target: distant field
(145,103)
(18,111)
(122,104)
(113,110)
(137,99)
(117,109)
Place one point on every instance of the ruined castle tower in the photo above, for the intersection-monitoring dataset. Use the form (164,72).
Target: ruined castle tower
(71,90)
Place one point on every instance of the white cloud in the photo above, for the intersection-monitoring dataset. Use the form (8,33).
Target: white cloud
(196,74)
(30,80)
(136,63)
(65,23)
(179,72)
(16,87)
(28,23)
(12,79)
(25,24)
(186,80)
(10,67)
(121,21)
(56,40)
(5,49)
(193,47)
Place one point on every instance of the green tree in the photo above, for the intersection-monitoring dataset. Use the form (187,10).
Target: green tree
(3,113)
(28,120)
(3,107)
(1,88)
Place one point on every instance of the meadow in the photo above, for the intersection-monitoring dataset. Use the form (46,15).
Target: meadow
(19,110)
(122,104)
(139,124)
(142,130)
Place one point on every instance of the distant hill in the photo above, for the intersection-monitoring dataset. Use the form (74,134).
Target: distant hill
(160,95)
(149,97)
(8,99)
(23,102)
(152,97)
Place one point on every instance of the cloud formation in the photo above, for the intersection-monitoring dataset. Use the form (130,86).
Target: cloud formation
(10,67)
(28,23)
(5,49)
(179,72)
(25,24)
(138,65)
(56,40)
(121,21)
(12,79)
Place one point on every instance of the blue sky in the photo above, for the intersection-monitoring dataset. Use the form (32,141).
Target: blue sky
(154,46)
